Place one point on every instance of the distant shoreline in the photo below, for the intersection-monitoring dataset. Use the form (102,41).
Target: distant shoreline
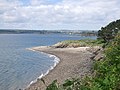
(69,32)
(74,62)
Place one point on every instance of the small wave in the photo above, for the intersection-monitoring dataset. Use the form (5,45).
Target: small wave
(40,76)
(56,61)
(30,49)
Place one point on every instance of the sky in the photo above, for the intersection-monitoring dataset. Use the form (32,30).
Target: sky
(58,14)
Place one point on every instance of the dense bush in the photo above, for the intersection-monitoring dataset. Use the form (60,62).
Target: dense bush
(108,32)
(108,70)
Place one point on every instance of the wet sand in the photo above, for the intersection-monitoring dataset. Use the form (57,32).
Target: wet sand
(74,63)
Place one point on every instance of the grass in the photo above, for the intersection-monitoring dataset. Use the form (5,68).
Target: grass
(80,43)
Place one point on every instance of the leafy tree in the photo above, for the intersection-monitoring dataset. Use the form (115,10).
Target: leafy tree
(108,32)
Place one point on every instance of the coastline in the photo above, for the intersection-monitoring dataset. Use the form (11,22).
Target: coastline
(56,61)
(74,62)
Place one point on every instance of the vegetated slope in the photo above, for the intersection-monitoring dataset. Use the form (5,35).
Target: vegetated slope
(109,32)
(78,43)
(106,74)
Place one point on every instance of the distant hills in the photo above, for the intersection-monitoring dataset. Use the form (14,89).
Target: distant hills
(6,31)
(71,32)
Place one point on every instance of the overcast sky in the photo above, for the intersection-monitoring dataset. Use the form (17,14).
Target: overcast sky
(58,14)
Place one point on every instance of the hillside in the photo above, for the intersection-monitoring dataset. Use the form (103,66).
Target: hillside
(106,71)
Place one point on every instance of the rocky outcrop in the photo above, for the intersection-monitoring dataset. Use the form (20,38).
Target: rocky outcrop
(98,53)
(68,45)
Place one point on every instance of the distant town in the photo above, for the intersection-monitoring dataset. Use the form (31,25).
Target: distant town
(70,32)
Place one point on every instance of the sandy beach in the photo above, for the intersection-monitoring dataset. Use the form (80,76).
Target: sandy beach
(74,63)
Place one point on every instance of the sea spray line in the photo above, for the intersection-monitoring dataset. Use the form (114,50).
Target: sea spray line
(56,61)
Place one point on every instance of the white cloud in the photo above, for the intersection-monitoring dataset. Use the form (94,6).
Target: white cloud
(68,14)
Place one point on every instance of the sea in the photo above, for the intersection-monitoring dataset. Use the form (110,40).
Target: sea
(19,67)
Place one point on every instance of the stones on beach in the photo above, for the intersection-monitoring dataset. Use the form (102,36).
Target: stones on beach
(97,53)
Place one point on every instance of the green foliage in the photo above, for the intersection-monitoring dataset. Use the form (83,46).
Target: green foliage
(108,71)
(53,86)
(81,43)
(108,32)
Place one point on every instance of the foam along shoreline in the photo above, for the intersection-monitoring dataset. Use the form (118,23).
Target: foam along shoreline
(71,63)
(56,61)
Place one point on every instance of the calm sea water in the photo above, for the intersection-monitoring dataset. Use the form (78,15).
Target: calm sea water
(19,66)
